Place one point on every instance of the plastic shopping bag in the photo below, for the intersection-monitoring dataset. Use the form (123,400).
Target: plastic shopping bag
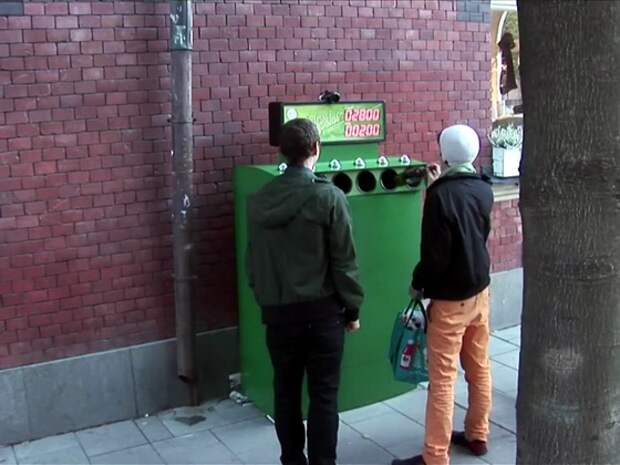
(408,345)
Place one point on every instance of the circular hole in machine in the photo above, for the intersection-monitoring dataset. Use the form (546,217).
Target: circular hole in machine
(389,179)
(343,182)
(366,181)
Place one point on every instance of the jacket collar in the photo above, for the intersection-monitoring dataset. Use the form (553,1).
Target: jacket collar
(299,172)
(456,177)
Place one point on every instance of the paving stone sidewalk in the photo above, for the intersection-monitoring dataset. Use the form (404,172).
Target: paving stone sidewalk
(227,433)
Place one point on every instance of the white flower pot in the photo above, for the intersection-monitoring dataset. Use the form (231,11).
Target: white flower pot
(506,162)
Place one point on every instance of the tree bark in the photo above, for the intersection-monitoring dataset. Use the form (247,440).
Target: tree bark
(568,406)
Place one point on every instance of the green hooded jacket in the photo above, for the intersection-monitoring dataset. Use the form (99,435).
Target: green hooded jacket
(301,244)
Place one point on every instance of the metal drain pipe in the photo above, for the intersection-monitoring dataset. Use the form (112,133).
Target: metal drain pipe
(181,44)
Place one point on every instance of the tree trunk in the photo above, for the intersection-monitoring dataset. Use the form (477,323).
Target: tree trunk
(568,406)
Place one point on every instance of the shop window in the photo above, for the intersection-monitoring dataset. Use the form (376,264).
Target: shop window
(506,80)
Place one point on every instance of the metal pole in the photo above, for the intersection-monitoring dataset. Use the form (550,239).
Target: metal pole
(181,42)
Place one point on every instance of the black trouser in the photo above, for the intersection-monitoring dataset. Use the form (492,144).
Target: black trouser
(316,350)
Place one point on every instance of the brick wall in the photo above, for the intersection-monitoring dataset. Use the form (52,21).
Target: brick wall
(505,240)
(85,253)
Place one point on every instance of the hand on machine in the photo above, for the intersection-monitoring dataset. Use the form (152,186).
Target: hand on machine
(413,176)
(353,326)
(433,171)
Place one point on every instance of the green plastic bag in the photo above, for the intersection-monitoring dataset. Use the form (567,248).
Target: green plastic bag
(408,345)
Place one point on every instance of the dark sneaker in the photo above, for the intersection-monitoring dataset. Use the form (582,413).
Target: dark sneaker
(417,460)
(476,447)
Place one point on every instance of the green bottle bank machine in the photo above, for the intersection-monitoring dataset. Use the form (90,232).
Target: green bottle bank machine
(386,225)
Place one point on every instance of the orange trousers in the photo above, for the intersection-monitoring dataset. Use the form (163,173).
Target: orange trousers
(457,328)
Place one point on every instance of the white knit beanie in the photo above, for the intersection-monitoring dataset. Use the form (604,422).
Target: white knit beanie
(459,144)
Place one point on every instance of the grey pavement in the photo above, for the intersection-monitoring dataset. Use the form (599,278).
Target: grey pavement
(226,433)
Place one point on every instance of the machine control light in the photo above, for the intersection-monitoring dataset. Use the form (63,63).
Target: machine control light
(359,163)
(383,161)
(405,160)
(282,167)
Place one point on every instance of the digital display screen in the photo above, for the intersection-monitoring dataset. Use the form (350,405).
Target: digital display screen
(343,122)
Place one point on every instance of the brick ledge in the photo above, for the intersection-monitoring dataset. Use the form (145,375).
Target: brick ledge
(504,192)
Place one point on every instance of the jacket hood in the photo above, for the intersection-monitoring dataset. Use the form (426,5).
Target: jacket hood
(279,202)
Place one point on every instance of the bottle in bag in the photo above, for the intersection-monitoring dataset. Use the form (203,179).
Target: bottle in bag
(407,356)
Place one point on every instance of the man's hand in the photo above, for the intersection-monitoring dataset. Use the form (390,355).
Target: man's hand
(433,171)
(353,326)
(415,294)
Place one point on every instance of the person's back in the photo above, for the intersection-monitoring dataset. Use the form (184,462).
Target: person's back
(299,223)
(454,273)
(301,266)
(457,207)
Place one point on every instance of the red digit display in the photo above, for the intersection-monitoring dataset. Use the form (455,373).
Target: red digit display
(362,130)
(362,114)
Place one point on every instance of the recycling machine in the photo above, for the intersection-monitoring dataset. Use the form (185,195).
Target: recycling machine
(386,225)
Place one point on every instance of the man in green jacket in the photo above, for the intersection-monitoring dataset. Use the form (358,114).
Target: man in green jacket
(302,268)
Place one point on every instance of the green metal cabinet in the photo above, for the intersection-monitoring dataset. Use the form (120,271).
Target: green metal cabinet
(386,222)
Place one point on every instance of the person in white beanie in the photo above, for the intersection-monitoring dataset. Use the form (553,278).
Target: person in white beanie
(454,272)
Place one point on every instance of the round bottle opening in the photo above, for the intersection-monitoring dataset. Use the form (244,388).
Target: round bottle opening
(389,179)
(343,182)
(366,181)
(414,175)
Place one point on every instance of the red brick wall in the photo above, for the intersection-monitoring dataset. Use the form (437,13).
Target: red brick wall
(505,239)
(85,252)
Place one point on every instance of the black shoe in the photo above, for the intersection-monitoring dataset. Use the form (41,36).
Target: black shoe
(476,447)
(417,460)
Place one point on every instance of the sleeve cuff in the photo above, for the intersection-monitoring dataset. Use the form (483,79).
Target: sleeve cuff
(351,314)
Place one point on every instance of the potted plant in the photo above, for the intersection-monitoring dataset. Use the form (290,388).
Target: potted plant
(507,142)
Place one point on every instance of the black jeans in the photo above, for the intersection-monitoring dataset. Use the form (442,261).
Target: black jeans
(314,349)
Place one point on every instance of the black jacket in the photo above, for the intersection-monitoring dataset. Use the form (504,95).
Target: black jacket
(454,263)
